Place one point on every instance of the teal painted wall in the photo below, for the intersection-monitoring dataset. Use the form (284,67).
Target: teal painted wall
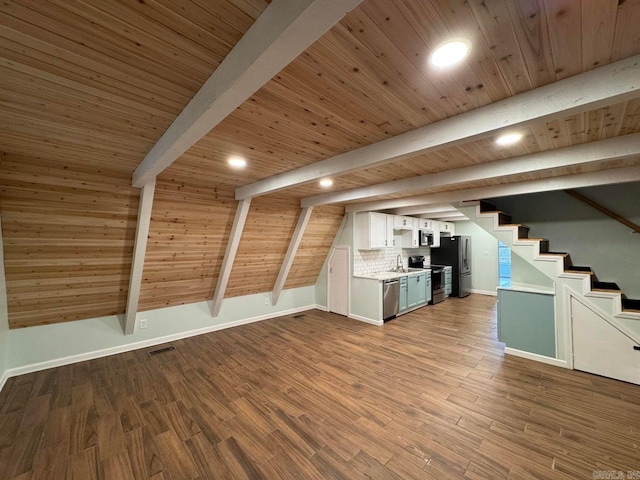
(591,238)
(526,322)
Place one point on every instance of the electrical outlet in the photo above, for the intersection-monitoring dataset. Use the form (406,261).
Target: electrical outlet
(266,300)
(143,323)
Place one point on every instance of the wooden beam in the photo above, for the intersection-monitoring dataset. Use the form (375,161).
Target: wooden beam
(627,146)
(613,83)
(605,210)
(284,30)
(424,209)
(298,233)
(230,254)
(140,247)
(603,177)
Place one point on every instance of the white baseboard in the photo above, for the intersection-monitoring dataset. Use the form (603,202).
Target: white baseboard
(484,292)
(321,307)
(535,357)
(366,320)
(58,362)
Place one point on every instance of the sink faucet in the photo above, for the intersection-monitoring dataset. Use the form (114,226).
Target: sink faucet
(399,263)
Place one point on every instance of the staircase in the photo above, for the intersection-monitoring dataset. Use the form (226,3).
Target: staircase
(606,296)
(597,327)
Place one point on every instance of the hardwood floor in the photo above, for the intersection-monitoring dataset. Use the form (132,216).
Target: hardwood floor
(428,395)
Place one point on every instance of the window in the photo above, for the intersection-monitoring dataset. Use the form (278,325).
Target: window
(504,265)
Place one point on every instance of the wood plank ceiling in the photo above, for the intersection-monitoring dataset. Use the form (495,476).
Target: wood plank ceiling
(87,88)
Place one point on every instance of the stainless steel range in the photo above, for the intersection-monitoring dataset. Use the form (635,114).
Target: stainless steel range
(437,277)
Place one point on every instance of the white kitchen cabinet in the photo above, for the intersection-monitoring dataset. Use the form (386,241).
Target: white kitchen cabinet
(425,224)
(411,238)
(402,223)
(447,229)
(436,233)
(374,231)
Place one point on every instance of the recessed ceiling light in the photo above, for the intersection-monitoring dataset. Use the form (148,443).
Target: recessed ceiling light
(450,53)
(326,182)
(508,139)
(237,162)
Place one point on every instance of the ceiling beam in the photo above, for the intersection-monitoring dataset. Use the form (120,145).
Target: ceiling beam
(601,177)
(230,255)
(139,248)
(627,146)
(424,209)
(285,29)
(613,83)
(296,238)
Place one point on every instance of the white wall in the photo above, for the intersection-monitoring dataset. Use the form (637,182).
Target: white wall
(484,257)
(4,317)
(46,346)
(590,237)
(526,275)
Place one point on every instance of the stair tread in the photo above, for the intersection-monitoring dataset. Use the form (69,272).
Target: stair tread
(606,290)
(630,310)
(555,254)
(586,272)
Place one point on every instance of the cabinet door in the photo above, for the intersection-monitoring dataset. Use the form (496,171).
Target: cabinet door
(436,234)
(389,240)
(447,281)
(415,233)
(403,294)
(416,295)
(422,294)
(378,230)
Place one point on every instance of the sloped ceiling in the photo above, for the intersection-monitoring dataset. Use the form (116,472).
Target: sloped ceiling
(87,88)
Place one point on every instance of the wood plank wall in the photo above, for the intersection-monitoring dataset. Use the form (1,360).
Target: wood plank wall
(68,240)
(189,232)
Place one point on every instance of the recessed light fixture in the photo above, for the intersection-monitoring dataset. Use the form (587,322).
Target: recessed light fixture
(508,139)
(326,182)
(237,162)
(450,53)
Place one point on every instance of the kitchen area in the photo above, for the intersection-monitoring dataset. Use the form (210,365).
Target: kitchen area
(403,263)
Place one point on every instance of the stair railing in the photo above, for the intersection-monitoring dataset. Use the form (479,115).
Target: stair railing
(605,210)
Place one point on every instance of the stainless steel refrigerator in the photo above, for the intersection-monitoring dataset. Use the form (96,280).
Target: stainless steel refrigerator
(455,251)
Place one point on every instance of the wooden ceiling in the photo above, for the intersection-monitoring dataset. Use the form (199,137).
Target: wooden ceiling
(88,87)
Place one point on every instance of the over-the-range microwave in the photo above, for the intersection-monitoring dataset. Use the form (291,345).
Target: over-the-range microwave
(426,238)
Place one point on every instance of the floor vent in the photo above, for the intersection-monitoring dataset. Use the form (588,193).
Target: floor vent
(161,350)
(302,315)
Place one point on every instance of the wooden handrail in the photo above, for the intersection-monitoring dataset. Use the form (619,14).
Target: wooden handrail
(604,210)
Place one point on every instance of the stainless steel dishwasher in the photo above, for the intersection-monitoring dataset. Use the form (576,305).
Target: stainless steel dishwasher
(390,298)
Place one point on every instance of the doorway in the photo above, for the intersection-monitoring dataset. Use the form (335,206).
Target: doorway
(338,281)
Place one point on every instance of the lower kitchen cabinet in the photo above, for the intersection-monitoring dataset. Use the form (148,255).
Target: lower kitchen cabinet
(416,293)
(448,277)
(427,285)
(403,294)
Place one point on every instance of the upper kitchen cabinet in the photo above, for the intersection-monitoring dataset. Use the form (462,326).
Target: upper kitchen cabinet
(403,223)
(436,233)
(447,229)
(374,231)
(425,224)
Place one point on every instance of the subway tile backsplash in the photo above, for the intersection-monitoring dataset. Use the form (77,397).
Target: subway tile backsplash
(373,261)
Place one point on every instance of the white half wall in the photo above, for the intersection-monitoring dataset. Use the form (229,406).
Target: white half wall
(484,257)
(37,348)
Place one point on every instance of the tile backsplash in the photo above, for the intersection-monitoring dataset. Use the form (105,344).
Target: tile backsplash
(372,261)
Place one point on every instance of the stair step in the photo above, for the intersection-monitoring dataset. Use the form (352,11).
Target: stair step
(487,207)
(523,230)
(565,257)
(630,304)
(605,286)
(576,268)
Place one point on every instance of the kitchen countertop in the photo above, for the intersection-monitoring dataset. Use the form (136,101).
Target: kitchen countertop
(391,275)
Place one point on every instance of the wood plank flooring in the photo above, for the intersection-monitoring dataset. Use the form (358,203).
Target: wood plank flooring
(428,395)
